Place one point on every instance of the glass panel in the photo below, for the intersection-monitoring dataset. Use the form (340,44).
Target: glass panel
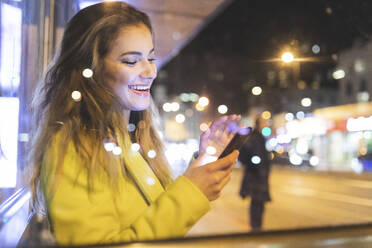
(10,75)
(10,70)
(302,66)
(9,109)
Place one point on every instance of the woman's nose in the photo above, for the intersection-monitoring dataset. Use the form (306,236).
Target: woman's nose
(149,70)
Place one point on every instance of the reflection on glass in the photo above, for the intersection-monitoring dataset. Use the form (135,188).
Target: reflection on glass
(10,67)
(9,108)
(319,125)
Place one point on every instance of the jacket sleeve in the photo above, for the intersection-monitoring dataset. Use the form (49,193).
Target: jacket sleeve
(80,215)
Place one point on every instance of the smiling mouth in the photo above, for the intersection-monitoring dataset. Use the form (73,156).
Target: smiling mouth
(140,89)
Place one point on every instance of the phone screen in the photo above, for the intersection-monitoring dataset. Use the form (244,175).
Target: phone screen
(237,141)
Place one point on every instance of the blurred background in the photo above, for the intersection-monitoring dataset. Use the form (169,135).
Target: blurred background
(303,66)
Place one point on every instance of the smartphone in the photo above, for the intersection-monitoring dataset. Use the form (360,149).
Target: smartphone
(237,141)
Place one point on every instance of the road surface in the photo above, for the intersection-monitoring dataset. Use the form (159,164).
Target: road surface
(300,198)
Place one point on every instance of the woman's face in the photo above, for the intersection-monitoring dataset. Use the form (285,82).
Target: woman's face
(130,67)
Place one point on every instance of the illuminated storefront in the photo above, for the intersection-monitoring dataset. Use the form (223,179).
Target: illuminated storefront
(335,138)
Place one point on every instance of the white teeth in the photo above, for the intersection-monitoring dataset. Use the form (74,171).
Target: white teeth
(139,87)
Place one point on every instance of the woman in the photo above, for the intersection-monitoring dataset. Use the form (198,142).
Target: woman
(99,169)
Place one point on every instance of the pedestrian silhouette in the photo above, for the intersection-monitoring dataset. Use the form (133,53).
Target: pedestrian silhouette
(254,157)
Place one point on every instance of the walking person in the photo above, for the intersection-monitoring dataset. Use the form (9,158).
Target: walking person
(254,156)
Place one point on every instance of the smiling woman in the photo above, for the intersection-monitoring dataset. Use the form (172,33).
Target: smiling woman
(131,68)
(93,106)
(101,173)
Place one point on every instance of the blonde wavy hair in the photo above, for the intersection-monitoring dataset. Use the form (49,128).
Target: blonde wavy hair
(99,115)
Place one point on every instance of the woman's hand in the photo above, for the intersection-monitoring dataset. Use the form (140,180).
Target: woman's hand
(211,178)
(219,134)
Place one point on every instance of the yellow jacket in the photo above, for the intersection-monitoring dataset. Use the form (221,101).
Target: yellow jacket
(105,216)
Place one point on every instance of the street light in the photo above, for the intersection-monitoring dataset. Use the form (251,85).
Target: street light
(287,57)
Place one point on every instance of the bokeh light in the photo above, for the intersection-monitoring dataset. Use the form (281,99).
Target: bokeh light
(184,97)
(167,107)
(211,150)
(135,147)
(289,116)
(199,107)
(203,101)
(131,127)
(180,118)
(266,115)
(295,159)
(306,102)
(315,49)
(193,97)
(87,73)
(257,90)
(203,127)
(338,74)
(109,146)
(314,161)
(266,131)
(222,109)
(273,142)
(175,106)
(255,159)
(300,115)
(151,154)
(150,181)
(117,150)
(76,95)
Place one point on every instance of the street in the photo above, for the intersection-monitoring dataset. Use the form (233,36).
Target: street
(299,199)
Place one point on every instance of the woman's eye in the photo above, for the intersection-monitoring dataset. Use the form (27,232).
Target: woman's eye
(130,63)
(151,60)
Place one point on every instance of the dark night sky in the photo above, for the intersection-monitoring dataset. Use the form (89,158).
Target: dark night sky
(229,52)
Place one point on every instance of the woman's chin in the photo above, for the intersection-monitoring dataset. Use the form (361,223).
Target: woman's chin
(139,107)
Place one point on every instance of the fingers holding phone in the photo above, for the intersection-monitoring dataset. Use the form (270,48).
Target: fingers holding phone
(211,178)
